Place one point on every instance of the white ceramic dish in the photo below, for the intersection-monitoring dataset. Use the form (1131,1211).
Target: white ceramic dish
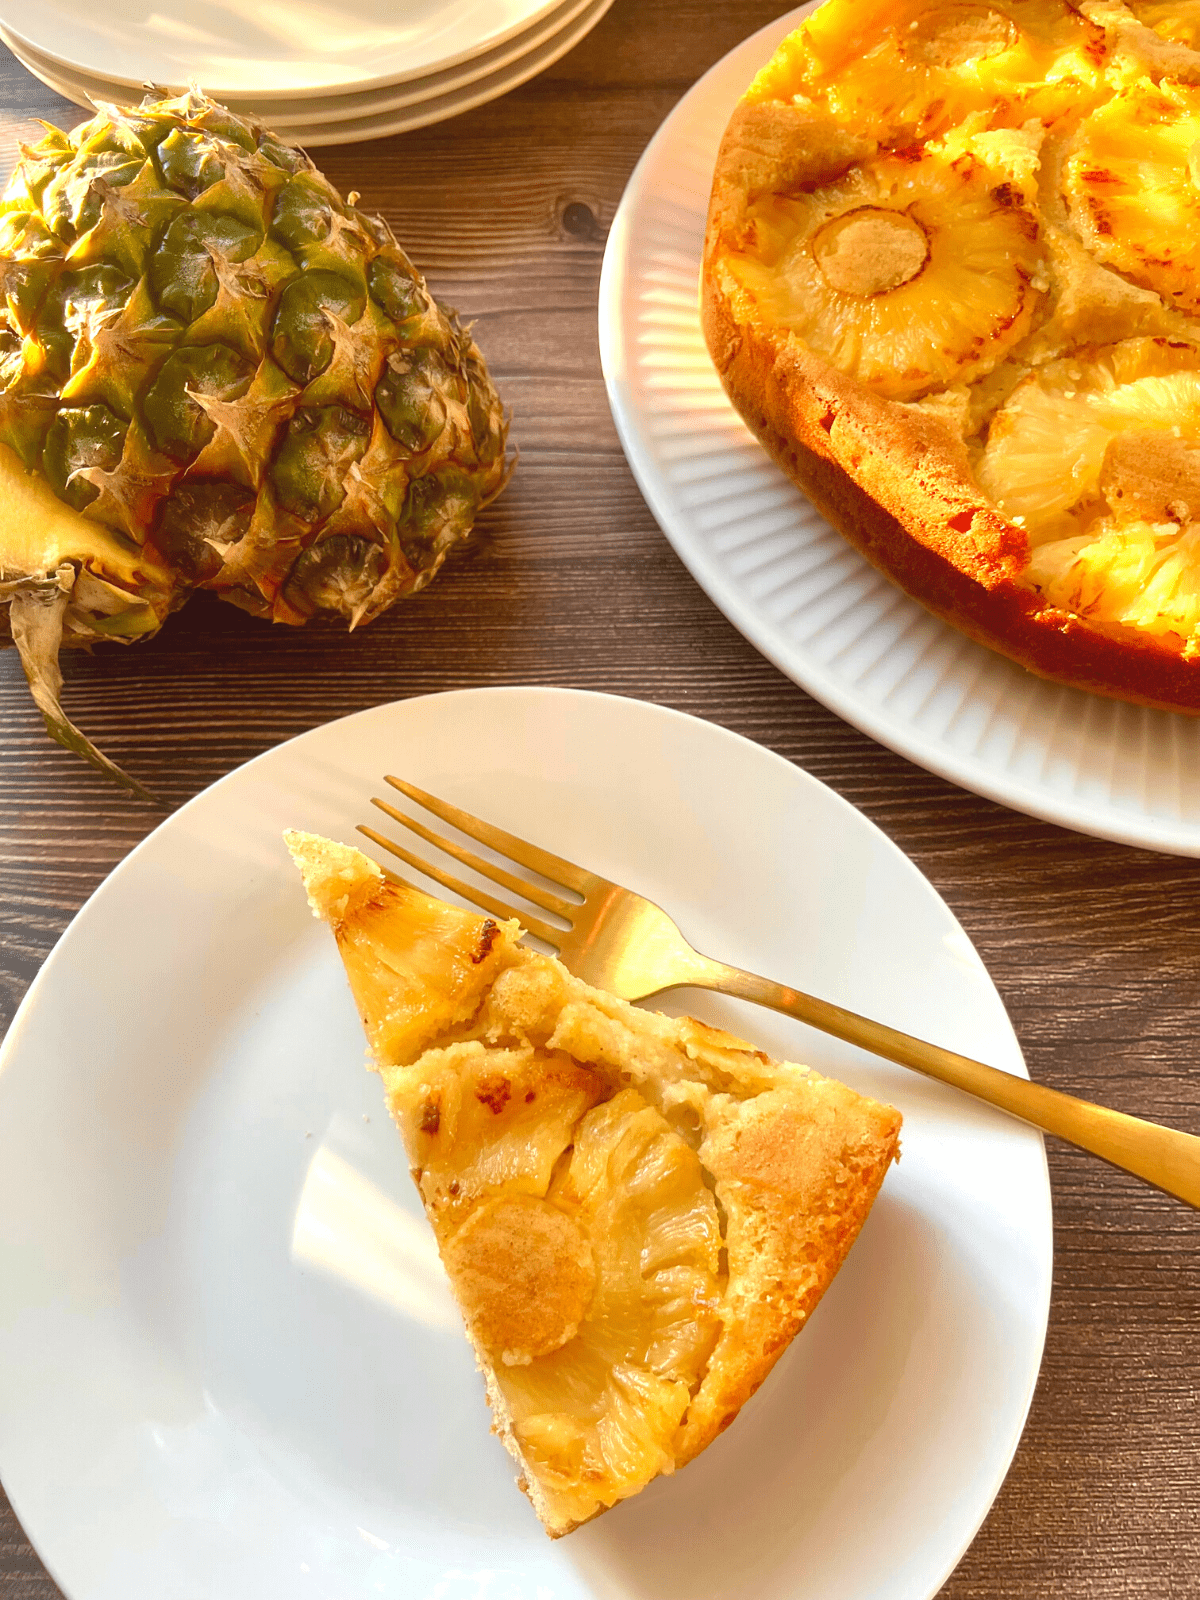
(296,48)
(284,113)
(229,1364)
(375,124)
(793,586)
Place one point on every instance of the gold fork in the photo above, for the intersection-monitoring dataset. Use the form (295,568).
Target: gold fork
(616,940)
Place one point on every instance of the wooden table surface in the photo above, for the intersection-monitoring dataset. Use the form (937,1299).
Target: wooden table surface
(1095,947)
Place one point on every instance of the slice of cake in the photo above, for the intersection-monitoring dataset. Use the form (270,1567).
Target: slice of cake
(637,1213)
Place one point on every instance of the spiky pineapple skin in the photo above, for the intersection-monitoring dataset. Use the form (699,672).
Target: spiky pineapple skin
(210,352)
(918,486)
(225,369)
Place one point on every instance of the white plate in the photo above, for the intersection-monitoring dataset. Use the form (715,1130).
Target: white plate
(377,123)
(793,586)
(276,47)
(284,113)
(229,1365)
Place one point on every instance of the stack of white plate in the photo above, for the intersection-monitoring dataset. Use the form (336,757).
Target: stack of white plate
(317,71)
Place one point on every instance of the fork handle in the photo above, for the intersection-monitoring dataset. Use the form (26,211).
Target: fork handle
(1165,1157)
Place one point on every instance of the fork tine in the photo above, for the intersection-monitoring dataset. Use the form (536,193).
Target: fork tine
(480,897)
(507,880)
(528,855)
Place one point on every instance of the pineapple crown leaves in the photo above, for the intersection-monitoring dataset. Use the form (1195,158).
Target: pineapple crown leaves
(97,606)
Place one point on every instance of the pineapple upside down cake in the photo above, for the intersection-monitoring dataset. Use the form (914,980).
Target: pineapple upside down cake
(952,282)
(636,1213)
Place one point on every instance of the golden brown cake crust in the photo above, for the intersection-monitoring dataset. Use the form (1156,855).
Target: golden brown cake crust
(797,1180)
(894,479)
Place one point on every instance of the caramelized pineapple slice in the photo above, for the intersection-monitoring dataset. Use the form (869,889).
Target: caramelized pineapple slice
(1130,183)
(416,966)
(1044,463)
(903,72)
(1144,575)
(911,273)
(1098,456)
(636,1214)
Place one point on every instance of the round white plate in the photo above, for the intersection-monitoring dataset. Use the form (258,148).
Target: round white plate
(796,589)
(377,123)
(229,1363)
(284,113)
(276,47)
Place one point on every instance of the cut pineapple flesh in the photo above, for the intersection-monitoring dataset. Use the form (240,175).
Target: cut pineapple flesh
(910,274)
(576,1225)
(599,1300)
(1017,255)
(902,72)
(1138,574)
(1047,445)
(1099,459)
(1130,181)
(636,1214)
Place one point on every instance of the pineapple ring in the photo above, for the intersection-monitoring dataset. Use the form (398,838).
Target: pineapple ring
(1129,181)
(908,274)
(639,1195)
(1054,448)
(903,72)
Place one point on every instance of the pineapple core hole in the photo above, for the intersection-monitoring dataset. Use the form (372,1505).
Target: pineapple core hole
(952,36)
(870,251)
(525,1275)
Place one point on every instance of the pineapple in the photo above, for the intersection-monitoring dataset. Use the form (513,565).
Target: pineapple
(214,373)
(636,1214)
(1098,457)
(1130,182)
(911,273)
(902,71)
(1137,574)
(1047,449)
(1001,247)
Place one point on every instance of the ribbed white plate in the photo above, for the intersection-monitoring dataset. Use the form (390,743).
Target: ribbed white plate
(384,111)
(792,585)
